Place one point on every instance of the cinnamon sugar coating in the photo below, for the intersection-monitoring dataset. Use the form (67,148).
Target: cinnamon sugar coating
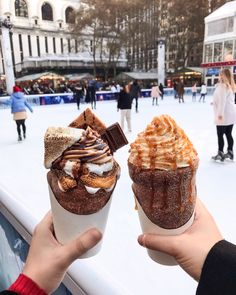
(78,200)
(167,197)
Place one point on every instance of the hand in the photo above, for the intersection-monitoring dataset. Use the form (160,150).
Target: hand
(48,260)
(190,249)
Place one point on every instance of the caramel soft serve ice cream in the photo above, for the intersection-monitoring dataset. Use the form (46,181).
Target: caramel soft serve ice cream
(162,165)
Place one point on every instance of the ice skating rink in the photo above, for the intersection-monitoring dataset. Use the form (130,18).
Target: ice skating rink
(122,266)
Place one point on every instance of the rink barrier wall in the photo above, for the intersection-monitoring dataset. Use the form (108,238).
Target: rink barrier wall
(60,98)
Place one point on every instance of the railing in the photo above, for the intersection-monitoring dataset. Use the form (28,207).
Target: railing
(60,98)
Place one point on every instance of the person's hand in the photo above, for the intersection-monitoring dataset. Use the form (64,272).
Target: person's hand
(190,249)
(48,260)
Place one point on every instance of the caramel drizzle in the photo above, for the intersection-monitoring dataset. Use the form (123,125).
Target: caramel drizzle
(166,154)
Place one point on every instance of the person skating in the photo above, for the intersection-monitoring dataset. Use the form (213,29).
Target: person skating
(135,93)
(224,113)
(79,94)
(203,92)
(180,91)
(18,109)
(155,93)
(124,104)
(194,92)
(161,88)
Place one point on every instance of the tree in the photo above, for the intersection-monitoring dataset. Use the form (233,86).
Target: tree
(186,26)
(103,23)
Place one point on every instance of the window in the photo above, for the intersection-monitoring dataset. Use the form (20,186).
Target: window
(46,44)
(218,52)
(70,15)
(21,48)
(1,57)
(21,8)
(69,45)
(38,46)
(221,26)
(76,46)
(54,45)
(62,46)
(228,50)
(29,45)
(208,52)
(47,13)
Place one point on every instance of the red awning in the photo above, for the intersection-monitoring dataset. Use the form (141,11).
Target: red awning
(219,64)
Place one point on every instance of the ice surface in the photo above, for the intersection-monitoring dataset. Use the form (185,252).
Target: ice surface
(23,174)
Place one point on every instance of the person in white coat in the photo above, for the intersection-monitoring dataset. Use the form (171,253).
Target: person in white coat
(155,93)
(224,113)
(203,92)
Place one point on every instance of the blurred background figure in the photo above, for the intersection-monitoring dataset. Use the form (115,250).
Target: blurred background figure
(161,88)
(155,93)
(180,91)
(203,92)
(79,94)
(124,104)
(18,109)
(135,93)
(91,94)
(194,91)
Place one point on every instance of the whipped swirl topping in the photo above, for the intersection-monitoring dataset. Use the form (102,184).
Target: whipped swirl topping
(162,145)
(90,149)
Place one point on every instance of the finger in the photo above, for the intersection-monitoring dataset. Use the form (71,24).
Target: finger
(45,226)
(47,220)
(82,244)
(166,244)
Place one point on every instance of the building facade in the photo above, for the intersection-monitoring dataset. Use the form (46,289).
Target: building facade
(219,42)
(41,37)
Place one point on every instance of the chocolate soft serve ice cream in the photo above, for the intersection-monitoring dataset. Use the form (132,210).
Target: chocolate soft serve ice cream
(163,165)
(83,172)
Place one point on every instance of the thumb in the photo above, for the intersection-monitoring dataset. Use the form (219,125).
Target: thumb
(166,244)
(80,245)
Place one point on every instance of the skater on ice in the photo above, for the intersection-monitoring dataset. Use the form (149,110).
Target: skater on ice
(225,114)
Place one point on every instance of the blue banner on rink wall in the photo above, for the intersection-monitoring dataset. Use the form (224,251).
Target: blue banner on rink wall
(13,253)
(42,99)
(61,98)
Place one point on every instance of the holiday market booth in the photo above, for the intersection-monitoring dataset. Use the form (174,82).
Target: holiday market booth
(219,42)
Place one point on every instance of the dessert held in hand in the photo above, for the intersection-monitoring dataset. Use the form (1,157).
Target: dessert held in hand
(83,173)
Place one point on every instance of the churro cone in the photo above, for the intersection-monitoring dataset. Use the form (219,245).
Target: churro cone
(83,174)
(163,165)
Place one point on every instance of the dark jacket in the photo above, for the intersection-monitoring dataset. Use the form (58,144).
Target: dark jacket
(124,101)
(91,94)
(135,90)
(79,92)
(218,275)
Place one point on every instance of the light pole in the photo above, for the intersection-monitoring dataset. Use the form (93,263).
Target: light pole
(6,26)
(161,61)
